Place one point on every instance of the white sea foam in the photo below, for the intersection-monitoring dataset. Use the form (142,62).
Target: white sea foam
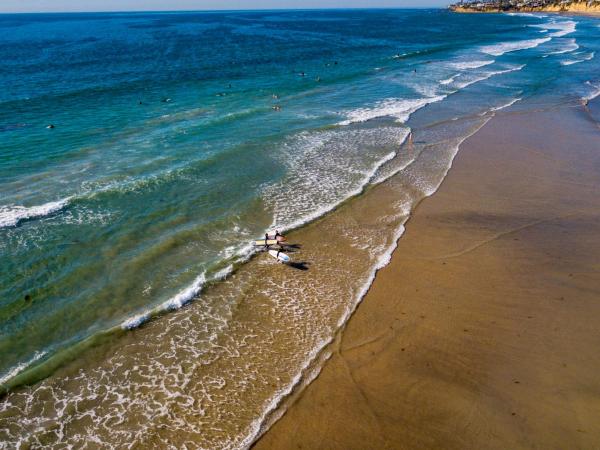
(401,109)
(260,424)
(509,70)
(11,215)
(135,321)
(322,210)
(450,80)
(402,55)
(582,58)
(184,296)
(175,380)
(223,273)
(486,76)
(562,28)
(465,83)
(177,301)
(512,102)
(595,92)
(464,65)
(328,167)
(433,189)
(382,261)
(239,253)
(568,46)
(507,47)
(19,368)
(536,16)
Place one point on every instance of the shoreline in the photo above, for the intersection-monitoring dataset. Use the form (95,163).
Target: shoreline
(578,11)
(276,331)
(330,428)
(217,362)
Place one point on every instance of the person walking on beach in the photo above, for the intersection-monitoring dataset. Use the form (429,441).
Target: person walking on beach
(277,257)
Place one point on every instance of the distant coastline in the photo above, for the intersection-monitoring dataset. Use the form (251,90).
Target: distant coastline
(492,6)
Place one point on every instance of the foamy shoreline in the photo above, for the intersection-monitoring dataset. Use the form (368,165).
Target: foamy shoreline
(237,340)
(371,385)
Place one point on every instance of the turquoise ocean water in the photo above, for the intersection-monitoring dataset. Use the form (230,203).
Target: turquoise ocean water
(179,137)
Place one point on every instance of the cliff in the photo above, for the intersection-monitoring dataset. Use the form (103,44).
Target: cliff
(584,7)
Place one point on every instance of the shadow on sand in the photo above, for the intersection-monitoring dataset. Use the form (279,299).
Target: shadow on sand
(299,265)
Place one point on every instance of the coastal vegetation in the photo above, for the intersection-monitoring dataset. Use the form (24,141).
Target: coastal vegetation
(585,6)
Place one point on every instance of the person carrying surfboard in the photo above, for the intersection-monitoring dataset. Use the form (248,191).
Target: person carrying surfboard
(276,235)
(280,256)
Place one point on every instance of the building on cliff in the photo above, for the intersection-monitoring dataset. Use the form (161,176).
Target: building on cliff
(516,5)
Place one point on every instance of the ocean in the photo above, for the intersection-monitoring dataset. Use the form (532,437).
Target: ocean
(142,153)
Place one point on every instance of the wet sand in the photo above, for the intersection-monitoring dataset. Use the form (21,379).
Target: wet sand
(484,330)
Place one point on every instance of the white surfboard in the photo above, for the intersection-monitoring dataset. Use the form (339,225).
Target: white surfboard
(281,257)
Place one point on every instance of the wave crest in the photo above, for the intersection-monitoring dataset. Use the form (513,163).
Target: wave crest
(401,109)
(508,47)
(12,215)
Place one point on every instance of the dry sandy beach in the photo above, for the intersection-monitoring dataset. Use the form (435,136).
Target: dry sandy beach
(484,330)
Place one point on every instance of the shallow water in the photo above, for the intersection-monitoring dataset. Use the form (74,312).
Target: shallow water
(127,210)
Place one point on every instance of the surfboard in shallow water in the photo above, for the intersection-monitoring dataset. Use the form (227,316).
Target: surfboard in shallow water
(280,256)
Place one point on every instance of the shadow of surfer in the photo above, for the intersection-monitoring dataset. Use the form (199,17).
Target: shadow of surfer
(290,248)
(303,265)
